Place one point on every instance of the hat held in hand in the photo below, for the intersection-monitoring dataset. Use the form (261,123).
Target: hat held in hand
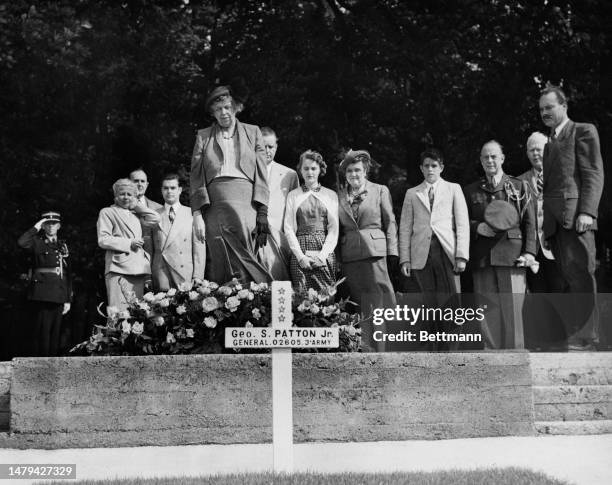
(501,215)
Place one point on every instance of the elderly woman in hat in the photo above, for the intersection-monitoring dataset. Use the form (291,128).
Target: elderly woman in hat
(311,227)
(126,264)
(50,286)
(229,192)
(368,236)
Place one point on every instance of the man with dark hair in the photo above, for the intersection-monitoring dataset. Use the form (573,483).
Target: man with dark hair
(281,180)
(178,256)
(572,187)
(503,231)
(434,234)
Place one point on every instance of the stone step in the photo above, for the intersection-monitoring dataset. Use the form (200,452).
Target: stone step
(573,412)
(5,386)
(574,427)
(573,369)
(572,394)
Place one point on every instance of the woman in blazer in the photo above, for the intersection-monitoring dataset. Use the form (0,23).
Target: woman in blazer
(368,236)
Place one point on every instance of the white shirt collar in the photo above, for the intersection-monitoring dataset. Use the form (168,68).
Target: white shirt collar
(560,126)
(141,200)
(434,185)
(496,178)
(175,206)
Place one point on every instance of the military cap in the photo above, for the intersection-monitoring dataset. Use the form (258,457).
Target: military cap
(51,216)
(501,215)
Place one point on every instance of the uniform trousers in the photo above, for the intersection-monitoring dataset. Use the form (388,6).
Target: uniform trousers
(47,327)
(502,290)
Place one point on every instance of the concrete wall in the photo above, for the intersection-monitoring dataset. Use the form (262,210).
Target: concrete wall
(5,386)
(163,400)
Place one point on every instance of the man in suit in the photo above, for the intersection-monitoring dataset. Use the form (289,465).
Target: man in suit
(434,234)
(50,288)
(119,227)
(229,192)
(573,183)
(178,256)
(540,317)
(139,177)
(503,235)
(281,180)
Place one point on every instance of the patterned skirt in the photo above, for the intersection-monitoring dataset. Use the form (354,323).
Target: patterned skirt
(316,278)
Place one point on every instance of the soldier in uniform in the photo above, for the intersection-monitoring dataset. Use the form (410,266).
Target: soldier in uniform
(503,235)
(50,284)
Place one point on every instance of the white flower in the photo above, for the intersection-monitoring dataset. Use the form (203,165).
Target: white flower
(232,303)
(321,298)
(254,286)
(189,333)
(180,310)
(144,306)
(301,307)
(250,296)
(225,290)
(185,286)
(210,322)
(193,295)
(314,308)
(248,324)
(263,286)
(204,290)
(149,297)
(312,294)
(123,314)
(242,294)
(351,330)
(170,338)
(256,313)
(112,312)
(332,290)
(160,296)
(209,304)
(125,326)
(165,303)
(328,310)
(212,285)
(157,320)
(238,287)
(171,292)
(137,328)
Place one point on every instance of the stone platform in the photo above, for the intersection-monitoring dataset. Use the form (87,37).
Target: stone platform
(204,399)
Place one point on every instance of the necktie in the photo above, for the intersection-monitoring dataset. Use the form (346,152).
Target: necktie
(540,183)
(431,197)
(171,215)
(492,184)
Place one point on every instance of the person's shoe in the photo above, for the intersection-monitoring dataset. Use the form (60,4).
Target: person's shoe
(582,346)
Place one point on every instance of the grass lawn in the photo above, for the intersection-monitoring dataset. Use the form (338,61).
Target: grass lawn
(496,476)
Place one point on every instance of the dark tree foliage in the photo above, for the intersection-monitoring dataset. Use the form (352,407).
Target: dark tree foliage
(92,89)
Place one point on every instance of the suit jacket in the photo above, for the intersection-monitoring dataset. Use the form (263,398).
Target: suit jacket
(573,176)
(506,246)
(448,220)
(146,230)
(536,199)
(207,161)
(175,245)
(374,232)
(282,180)
(54,287)
(116,229)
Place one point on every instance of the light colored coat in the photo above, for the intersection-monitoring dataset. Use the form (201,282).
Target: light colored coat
(178,256)
(117,227)
(448,220)
(374,233)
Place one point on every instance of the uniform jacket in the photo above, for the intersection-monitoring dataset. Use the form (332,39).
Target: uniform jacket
(448,220)
(55,287)
(506,246)
(207,161)
(573,176)
(536,199)
(374,232)
(116,229)
(175,245)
